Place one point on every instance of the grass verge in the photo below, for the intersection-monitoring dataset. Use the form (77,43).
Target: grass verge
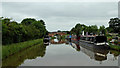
(116,47)
(11,49)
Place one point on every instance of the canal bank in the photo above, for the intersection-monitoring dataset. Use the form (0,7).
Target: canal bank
(114,46)
(8,50)
(18,58)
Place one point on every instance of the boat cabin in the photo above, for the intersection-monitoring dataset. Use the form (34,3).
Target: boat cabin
(97,40)
(100,40)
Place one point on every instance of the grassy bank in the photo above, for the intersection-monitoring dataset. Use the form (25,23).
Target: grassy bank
(8,50)
(19,57)
(113,46)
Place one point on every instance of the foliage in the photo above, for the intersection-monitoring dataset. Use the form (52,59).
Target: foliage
(114,25)
(102,29)
(52,37)
(28,21)
(87,29)
(28,29)
(116,47)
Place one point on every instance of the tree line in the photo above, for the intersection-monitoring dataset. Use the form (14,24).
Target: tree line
(114,27)
(27,29)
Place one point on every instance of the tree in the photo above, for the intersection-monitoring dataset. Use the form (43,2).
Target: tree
(42,22)
(81,27)
(114,25)
(93,29)
(28,21)
(102,30)
(59,31)
(28,29)
(39,25)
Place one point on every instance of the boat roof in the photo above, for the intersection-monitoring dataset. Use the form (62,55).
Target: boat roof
(91,36)
(88,36)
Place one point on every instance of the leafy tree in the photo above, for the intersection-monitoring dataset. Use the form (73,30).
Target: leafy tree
(42,22)
(81,27)
(59,31)
(28,21)
(102,29)
(28,29)
(114,25)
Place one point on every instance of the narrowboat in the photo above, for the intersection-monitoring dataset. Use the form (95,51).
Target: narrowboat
(46,40)
(96,40)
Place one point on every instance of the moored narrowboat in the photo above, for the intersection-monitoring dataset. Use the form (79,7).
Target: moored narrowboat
(96,40)
(46,40)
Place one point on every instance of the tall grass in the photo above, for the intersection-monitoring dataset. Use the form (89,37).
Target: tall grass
(114,46)
(11,49)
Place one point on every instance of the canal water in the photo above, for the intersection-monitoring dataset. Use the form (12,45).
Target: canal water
(63,54)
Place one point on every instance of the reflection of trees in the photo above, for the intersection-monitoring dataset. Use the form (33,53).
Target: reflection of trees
(75,44)
(115,53)
(77,49)
(30,53)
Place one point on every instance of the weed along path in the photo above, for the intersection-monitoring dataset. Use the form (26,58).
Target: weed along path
(8,50)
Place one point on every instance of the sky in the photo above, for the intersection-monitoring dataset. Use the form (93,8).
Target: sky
(59,0)
(62,15)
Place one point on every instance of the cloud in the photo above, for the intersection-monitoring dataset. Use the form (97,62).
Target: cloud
(62,15)
(60,0)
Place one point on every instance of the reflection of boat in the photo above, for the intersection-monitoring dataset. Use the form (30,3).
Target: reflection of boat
(97,53)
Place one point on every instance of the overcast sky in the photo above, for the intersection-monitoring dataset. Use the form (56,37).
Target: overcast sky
(59,0)
(62,15)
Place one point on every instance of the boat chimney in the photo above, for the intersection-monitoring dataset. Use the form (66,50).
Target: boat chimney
(83,33)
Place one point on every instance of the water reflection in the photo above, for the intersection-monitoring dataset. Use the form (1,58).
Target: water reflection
(75,45)
(63,54)
(115,54)
(61,41)
(98,55)
(18,58)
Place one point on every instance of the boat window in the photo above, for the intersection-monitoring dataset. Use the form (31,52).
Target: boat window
(100,39)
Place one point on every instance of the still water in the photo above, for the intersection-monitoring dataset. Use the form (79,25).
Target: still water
(62,54)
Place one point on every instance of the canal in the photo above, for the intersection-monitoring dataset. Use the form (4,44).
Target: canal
(63,54)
